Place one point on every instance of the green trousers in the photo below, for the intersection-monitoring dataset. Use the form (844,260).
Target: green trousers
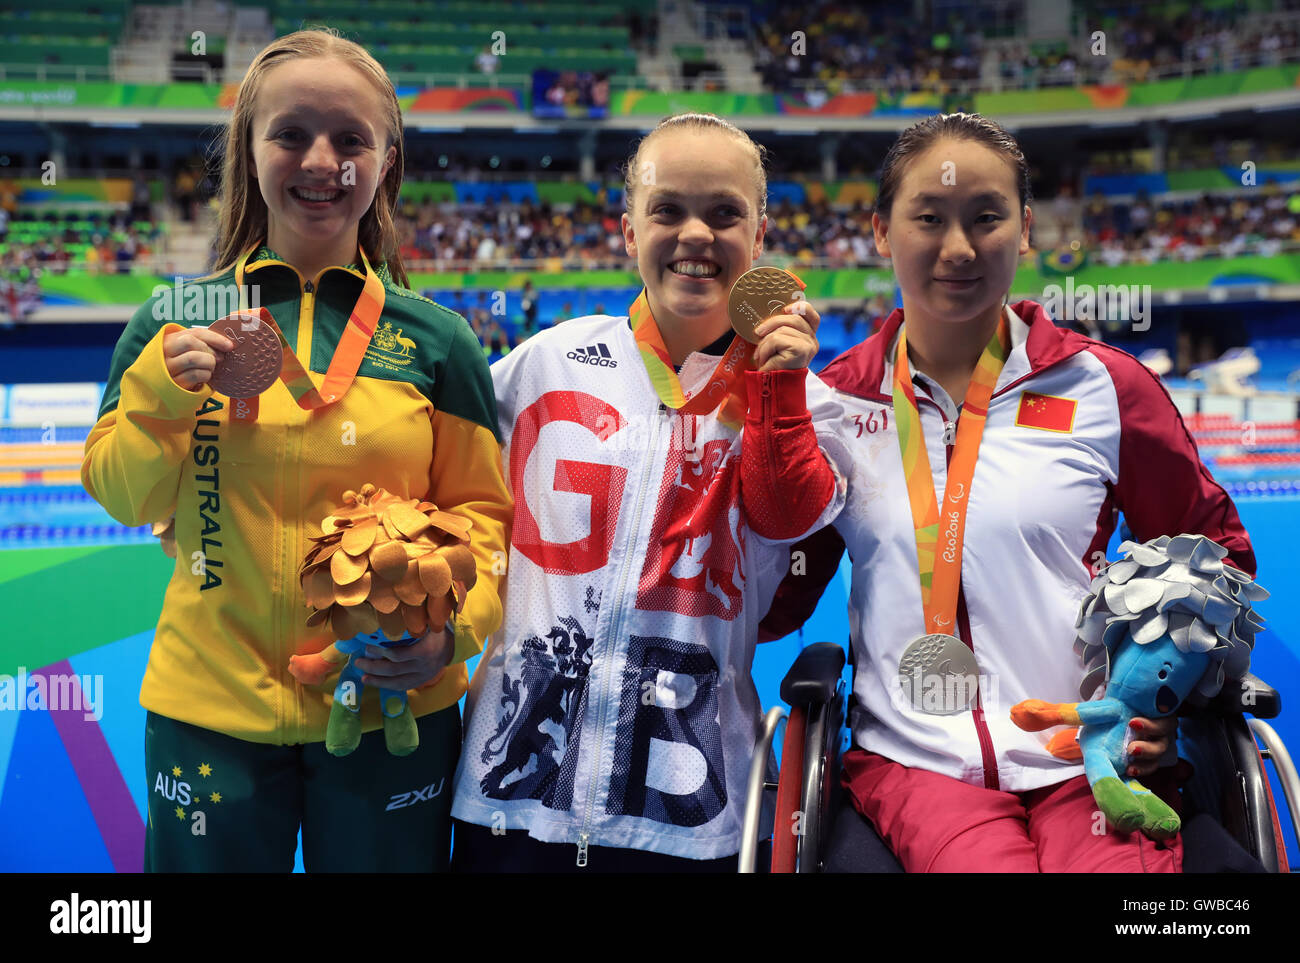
(219,804)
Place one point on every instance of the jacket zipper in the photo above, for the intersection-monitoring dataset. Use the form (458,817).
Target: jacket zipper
(306,312)
(988,757)
(615,626)
(772,486)
(306,316)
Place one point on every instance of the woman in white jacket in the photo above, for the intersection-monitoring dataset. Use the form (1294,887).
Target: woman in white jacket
(610,724)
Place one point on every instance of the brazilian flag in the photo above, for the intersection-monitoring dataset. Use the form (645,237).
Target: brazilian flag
(1061,261)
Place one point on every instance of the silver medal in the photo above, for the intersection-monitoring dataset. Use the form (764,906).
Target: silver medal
(938,674)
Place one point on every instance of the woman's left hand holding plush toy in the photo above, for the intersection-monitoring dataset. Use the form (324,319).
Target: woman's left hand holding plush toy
(408,666)
(1151,740)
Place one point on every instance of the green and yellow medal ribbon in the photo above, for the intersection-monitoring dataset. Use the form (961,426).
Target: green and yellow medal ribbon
(940,567)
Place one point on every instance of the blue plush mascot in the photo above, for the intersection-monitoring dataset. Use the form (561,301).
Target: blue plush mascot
(1171,621)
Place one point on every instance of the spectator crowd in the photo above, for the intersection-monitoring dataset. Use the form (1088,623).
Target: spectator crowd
(445,238)
(1263,222)
(835,46)
(590,235)
(858,46)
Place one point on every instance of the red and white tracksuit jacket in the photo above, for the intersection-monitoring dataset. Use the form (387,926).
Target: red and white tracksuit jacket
(616,707)
(1043,505)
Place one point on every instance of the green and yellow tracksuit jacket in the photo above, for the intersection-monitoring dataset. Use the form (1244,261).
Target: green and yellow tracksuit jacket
(419,420)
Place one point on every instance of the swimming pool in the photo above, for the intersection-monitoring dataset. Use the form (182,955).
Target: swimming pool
(82,594)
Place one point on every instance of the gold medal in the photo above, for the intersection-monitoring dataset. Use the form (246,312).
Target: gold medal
(758,294)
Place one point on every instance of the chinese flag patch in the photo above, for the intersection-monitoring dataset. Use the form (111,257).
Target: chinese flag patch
(1046,412)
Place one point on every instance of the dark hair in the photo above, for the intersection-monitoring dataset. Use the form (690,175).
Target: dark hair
(700,122)
(919,137)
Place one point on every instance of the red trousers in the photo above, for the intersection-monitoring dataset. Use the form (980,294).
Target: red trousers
(937,824)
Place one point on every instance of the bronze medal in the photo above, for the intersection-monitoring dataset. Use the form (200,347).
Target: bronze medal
(255,363)
(757,295)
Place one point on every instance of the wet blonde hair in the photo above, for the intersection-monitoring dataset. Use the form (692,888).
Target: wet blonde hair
(243,211)
(698,122)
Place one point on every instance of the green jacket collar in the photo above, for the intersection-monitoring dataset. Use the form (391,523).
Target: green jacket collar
(264,253)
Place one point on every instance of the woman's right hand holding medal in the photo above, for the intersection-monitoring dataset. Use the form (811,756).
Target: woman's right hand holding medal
(192,354)
(787,340)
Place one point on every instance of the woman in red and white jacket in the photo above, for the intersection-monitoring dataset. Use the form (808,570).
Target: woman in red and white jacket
(1033,438)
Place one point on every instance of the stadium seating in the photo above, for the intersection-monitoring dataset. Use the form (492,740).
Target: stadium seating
(407,40)
(49,36)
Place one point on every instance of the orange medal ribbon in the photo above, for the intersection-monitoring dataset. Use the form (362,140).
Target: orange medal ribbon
(347,357)
(939,536)
(725,386)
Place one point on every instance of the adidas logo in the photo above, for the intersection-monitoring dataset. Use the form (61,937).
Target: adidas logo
(596,354)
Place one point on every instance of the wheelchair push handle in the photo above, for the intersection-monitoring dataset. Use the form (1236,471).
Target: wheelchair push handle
(814,674)
(1250,695)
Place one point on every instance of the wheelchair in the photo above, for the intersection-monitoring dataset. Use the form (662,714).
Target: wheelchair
(1227,751)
